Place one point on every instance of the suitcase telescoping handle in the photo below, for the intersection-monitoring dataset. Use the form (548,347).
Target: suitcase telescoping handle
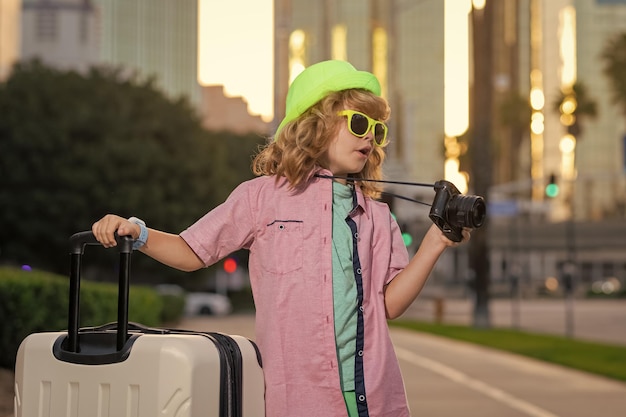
(78,241)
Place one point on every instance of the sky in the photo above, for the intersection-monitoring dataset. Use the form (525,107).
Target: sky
(236,50)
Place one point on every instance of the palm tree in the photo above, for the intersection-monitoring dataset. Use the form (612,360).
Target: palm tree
(514,113)
(574,105)
(614,56)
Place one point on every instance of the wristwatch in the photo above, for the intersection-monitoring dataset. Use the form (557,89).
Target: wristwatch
(143,232)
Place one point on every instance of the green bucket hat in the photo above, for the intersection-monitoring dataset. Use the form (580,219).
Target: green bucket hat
(318,80)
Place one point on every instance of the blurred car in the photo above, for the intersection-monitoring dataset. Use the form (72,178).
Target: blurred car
(606,286)
(170,289)
(207,303)
(198,303)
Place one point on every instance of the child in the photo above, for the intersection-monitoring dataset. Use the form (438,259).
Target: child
(327,263)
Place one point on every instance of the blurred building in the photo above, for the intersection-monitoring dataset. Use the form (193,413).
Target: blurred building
(560,44)
(554,46)
(63,34)
(220,112)
(600,158)
(154,37)
(542,49)
(10,12)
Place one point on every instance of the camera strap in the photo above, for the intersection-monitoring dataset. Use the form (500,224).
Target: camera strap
(443,214)
(415,184)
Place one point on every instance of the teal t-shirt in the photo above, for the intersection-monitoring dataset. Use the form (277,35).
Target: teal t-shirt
(344,286)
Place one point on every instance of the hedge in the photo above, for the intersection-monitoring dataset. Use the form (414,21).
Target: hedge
(37,301)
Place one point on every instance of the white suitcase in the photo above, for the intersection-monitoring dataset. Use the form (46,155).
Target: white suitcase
(130,370)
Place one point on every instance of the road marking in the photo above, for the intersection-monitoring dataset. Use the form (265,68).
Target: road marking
(474,384)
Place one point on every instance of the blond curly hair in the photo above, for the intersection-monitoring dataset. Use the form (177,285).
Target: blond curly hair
(302,144)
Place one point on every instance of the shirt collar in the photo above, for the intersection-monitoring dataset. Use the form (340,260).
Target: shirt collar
(361,201)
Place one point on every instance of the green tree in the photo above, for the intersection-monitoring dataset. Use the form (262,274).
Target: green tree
(75,147)
(614,57)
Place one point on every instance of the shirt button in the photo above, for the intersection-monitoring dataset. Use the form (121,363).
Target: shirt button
(358,271)
(361,308)
(356,235)
(360,353)
(361,398)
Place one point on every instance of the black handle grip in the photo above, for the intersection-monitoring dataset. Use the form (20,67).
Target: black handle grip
(78,241)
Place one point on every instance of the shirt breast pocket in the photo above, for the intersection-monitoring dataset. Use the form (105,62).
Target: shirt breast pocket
(281,246)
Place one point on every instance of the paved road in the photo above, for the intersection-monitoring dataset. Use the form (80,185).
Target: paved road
(446,378)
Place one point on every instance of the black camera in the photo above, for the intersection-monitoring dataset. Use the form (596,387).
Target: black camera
(451,211)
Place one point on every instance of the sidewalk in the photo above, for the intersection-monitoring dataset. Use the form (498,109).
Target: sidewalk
(591,319)
(447,378)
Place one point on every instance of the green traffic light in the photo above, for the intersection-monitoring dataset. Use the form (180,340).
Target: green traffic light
(406,237)
(552,190)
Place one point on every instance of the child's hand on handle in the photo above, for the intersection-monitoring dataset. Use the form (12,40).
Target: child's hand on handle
(105,228)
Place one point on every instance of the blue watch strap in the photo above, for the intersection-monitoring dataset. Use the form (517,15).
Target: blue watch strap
(143,232)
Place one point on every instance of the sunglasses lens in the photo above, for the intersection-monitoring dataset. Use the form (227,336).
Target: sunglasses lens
(379,133)
(359,124)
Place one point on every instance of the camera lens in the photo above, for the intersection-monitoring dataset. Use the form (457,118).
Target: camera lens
(466,211)
(478,213)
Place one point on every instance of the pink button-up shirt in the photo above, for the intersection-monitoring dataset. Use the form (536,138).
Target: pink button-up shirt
(289,235)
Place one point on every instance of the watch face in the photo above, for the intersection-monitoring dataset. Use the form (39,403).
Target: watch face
(136,221)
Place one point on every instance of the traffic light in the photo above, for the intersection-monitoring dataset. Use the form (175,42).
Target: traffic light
(407,238)
(552,188)
(230,265)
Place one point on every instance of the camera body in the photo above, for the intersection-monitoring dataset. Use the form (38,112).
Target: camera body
(451,211)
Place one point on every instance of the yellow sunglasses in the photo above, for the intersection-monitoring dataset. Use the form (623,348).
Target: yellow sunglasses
(359,124)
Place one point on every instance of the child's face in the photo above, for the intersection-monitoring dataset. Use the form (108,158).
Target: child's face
(347,153)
